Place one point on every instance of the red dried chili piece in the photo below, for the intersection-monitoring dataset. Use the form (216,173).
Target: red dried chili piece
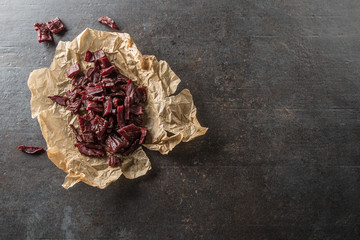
(114,161)
(43,31)
(108,21)
(30,149)
(73,70)
(59,99)
(55,25)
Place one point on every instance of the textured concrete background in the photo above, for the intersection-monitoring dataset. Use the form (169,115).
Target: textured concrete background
(277,82)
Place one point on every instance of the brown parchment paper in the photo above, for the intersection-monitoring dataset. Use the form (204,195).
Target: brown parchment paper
(165,114)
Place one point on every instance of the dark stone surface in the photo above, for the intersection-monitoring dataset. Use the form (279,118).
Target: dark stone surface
(277,82)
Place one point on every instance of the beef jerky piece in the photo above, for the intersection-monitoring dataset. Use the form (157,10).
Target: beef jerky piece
(77,135)
(73,70)
(141,94)
(89,57)
(143,135)
(120,116)
(55,25)
(30,149)
(136,109)
(127,108)
(75,106)
(132,148)
(43,31)
(116,144)
(108,21)
(84,125)
(98,126)
(107,106)
(93,152)
(114,161)
(130,132)
(59,99)
(107,71)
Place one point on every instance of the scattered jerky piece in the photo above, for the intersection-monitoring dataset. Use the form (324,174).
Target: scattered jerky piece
(30,149)
(59,99)
(108,21)
(73,70)
(43,31)
(55,25)
(114,161)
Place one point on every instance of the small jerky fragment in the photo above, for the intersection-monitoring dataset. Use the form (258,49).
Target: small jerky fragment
(122,79)
(141,94)
(116,144)
(120,116)
(84,125)
(108,21)
(98,126)
(88,137)
(73,70)
(30,149)
(132,148)
(43,31)
(75,106)
(59,99)
(99,54)
(107,107)
(89,57)
(104,62)
(107,71)
(130,88)
(94,106)
(77,135)
(90,71)
(93,152)
(130,132)
(114,161)
(136,109)
(127,107)
(143,135)
(55,25)
(116,102)
(93,91)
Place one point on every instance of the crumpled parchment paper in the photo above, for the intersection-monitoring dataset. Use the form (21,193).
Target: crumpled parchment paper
(163,113)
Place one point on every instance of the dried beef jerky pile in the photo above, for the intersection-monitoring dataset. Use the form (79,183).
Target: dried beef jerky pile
(109,109)
(45,30)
